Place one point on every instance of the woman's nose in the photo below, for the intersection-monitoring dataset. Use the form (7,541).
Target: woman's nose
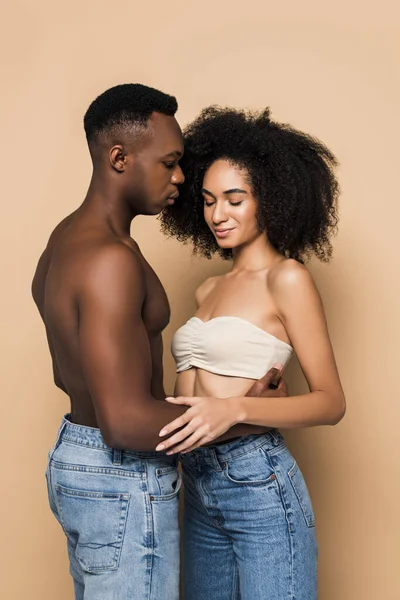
(219,214)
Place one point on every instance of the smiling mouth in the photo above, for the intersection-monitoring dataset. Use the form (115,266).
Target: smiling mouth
(222,233)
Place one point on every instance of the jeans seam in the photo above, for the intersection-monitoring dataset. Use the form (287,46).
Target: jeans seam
(114,472)
(309,519)
(240,454)
(289,529)
(285,506)
(150,535)
(50,488)
(290,541)
(257,483)
(202,492)
(87,445)
(235,587)
(277,449)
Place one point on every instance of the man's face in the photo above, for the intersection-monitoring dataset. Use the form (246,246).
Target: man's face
(154,170)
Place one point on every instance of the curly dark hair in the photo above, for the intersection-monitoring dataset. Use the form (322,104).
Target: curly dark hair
(126,104)
(291,175)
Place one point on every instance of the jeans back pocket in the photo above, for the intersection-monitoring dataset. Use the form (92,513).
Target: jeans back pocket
(95,523)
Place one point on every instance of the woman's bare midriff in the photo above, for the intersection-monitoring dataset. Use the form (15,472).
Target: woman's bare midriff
(197,382)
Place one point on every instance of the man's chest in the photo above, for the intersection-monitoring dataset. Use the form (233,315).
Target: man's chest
(155,310)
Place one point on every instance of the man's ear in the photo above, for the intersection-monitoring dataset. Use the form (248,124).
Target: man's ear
(117,158)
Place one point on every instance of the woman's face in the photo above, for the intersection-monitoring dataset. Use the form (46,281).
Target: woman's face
(229,205)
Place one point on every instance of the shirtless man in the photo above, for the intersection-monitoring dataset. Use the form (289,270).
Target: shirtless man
(104,310)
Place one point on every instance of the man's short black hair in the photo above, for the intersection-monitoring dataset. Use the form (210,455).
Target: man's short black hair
(124,105)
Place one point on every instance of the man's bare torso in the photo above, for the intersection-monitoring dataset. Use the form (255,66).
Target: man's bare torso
(60,273)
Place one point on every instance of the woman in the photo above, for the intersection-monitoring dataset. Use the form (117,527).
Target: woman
(264,195)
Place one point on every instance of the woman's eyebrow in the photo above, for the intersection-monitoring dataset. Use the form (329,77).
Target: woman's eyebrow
(226,192)
(235,191)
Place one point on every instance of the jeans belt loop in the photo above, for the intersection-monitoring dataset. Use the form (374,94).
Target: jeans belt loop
(117,457)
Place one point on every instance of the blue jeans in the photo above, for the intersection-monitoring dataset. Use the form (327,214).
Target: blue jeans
(249,530)
(119,512)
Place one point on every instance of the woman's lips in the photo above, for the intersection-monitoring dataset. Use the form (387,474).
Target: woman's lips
(222,233)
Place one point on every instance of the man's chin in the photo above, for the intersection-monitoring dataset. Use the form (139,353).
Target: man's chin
(153,211)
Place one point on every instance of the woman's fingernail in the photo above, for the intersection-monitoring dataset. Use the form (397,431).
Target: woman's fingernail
(163,432)
(277,366)
(160,447)
(169,452)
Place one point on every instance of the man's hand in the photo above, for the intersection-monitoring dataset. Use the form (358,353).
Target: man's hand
(270,386)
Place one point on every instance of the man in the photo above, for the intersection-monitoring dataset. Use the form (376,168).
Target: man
(104,310)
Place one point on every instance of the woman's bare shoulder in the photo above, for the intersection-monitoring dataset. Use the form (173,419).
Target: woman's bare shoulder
(288,274)
(205,289)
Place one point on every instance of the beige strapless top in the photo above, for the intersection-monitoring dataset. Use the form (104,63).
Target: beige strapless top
(229,346)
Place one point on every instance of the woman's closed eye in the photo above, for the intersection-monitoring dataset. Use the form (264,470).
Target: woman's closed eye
(208,202)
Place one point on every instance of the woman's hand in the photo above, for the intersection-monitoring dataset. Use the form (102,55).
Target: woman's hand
(203,422)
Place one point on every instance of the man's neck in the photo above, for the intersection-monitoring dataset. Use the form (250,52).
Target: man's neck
(104,205)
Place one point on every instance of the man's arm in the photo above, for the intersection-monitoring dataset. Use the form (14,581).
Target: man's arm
(115,352)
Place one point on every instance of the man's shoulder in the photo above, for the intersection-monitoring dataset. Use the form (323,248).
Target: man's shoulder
(110,275)
(58,231)
(113,260)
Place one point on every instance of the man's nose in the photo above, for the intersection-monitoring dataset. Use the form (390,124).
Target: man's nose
(177,176)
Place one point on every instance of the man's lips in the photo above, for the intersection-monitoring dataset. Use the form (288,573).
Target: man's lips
(171,199)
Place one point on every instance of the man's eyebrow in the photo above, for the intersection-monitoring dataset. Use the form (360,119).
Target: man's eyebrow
(174,154)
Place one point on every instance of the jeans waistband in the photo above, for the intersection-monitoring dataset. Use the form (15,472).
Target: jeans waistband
(91,437)
(216,455)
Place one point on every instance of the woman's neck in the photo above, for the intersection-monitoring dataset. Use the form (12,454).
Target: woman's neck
(256,255)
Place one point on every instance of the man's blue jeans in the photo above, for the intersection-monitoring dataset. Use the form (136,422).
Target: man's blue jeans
(119,511)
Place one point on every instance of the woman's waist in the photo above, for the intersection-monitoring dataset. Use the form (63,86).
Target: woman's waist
(198,382)
(235,447)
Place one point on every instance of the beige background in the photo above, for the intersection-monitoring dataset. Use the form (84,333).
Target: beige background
(328,68)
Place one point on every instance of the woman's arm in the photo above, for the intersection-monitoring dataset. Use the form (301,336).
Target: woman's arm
(299,307)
